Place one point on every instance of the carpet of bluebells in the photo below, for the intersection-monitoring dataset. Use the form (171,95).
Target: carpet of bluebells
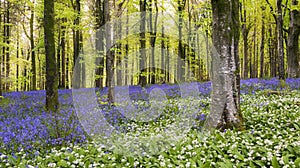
(32,137)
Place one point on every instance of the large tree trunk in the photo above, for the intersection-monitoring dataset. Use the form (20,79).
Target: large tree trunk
(51,70)
(225,111)
(142,77)
(293,42)
(280,39)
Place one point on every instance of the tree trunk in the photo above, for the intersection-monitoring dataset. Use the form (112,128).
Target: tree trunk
(225,107)
(51,70)
(0,54)
(162,52)
(109,55)
(99,43)
(293,42)
(153,28)
(245,31)
(126,51)
(142,76)
(180,63)
(262,44)
(76,46)
(280,40)
(33,62)
(63,54)
(67,64)
(18,55)
(58,54)
(7,52)
(3,52)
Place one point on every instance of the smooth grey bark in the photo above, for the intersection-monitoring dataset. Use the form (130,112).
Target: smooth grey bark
(225,106)
(51,69)
(293,42)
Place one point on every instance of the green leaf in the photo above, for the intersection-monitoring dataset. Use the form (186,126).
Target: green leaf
(286,159)
(12,160)
(275,163)
(296,126)
(297,162)
(259,163)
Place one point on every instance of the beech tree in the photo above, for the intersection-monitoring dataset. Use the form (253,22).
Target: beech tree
(293,41)
(142,77)
(51,70)
(225,106)
(109,53)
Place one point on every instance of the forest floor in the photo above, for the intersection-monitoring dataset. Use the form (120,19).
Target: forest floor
(88,133)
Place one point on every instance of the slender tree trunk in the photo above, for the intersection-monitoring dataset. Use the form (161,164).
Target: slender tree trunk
(162,52)
(119,50)
(109,55)
(168,61)
(99,43)
(58,54)
(82,58)
(18,55)
(293,42)
(0,54)
(67,64)
(7,52)
(63,54)
(153,28)
(253,62)
(3,52)
(142,77)
(126,50)
(262,45)
(280,40)
(51,69)
(181,56)
(245,31)
(32,46)
(76,46)
(225,111)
